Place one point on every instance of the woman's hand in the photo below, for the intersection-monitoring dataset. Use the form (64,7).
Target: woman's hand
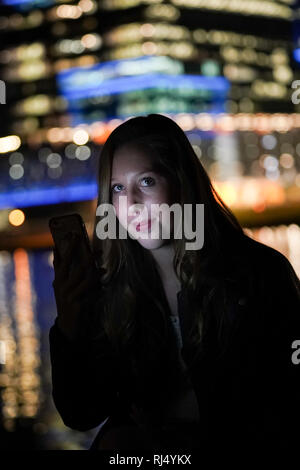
(73,287)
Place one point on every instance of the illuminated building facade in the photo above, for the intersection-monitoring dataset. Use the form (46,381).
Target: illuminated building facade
(100,62)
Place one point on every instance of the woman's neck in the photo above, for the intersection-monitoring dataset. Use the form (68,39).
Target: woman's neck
(164,256)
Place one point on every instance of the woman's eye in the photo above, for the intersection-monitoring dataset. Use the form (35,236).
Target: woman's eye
(113,188)
(149,178)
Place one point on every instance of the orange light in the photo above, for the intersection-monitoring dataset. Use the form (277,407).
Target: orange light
(260,207)
(101,138)
(16,217)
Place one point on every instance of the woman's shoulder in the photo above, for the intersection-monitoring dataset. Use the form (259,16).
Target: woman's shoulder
(264,281)
(257,254)
(264,263)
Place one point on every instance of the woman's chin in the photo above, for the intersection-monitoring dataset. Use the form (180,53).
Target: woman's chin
(147,240)
(151,244)
(150,239)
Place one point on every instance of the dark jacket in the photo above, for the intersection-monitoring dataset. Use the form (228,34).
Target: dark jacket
(246,383)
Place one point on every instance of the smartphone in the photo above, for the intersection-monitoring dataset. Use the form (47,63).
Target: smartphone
(61,228)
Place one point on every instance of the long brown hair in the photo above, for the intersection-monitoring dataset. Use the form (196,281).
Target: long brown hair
(130,277)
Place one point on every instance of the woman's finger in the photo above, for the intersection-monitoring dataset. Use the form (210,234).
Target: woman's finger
(75,290)
(67,260)
(80,271)
(58,260)
(77,281)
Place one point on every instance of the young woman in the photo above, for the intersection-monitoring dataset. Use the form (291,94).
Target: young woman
(174,347)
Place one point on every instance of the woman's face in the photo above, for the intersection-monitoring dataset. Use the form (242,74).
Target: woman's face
(133,176)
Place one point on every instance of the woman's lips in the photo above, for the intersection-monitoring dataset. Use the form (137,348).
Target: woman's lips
(143,225)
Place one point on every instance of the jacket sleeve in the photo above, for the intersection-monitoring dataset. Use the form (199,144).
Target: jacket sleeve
(281,375)
(84,386)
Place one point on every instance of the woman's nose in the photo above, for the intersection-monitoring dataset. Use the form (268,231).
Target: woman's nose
(135,203)
(134,200)
(135,209)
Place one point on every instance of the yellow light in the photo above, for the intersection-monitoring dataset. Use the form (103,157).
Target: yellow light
(55,134)
(297,180)
(86,5)
(226,123)
(149,48)
(16,217)
(31,70)
(30,52)
(286,160)
(251,7)
(204,122)
(167,12)
(67,134)
(9,143)
(80,137)
(147,29)
(90,41)
(185,121)
(69,11)
(227,192)
(34,105)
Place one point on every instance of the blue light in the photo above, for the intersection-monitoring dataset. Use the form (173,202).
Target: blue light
(40,197)
(296,53)
(28,4)
(118,79)
(122,68)
(72,91)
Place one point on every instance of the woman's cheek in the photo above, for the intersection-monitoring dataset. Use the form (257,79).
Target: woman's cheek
(116,209)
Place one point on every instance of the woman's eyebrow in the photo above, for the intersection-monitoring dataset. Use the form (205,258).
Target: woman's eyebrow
(147,170)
